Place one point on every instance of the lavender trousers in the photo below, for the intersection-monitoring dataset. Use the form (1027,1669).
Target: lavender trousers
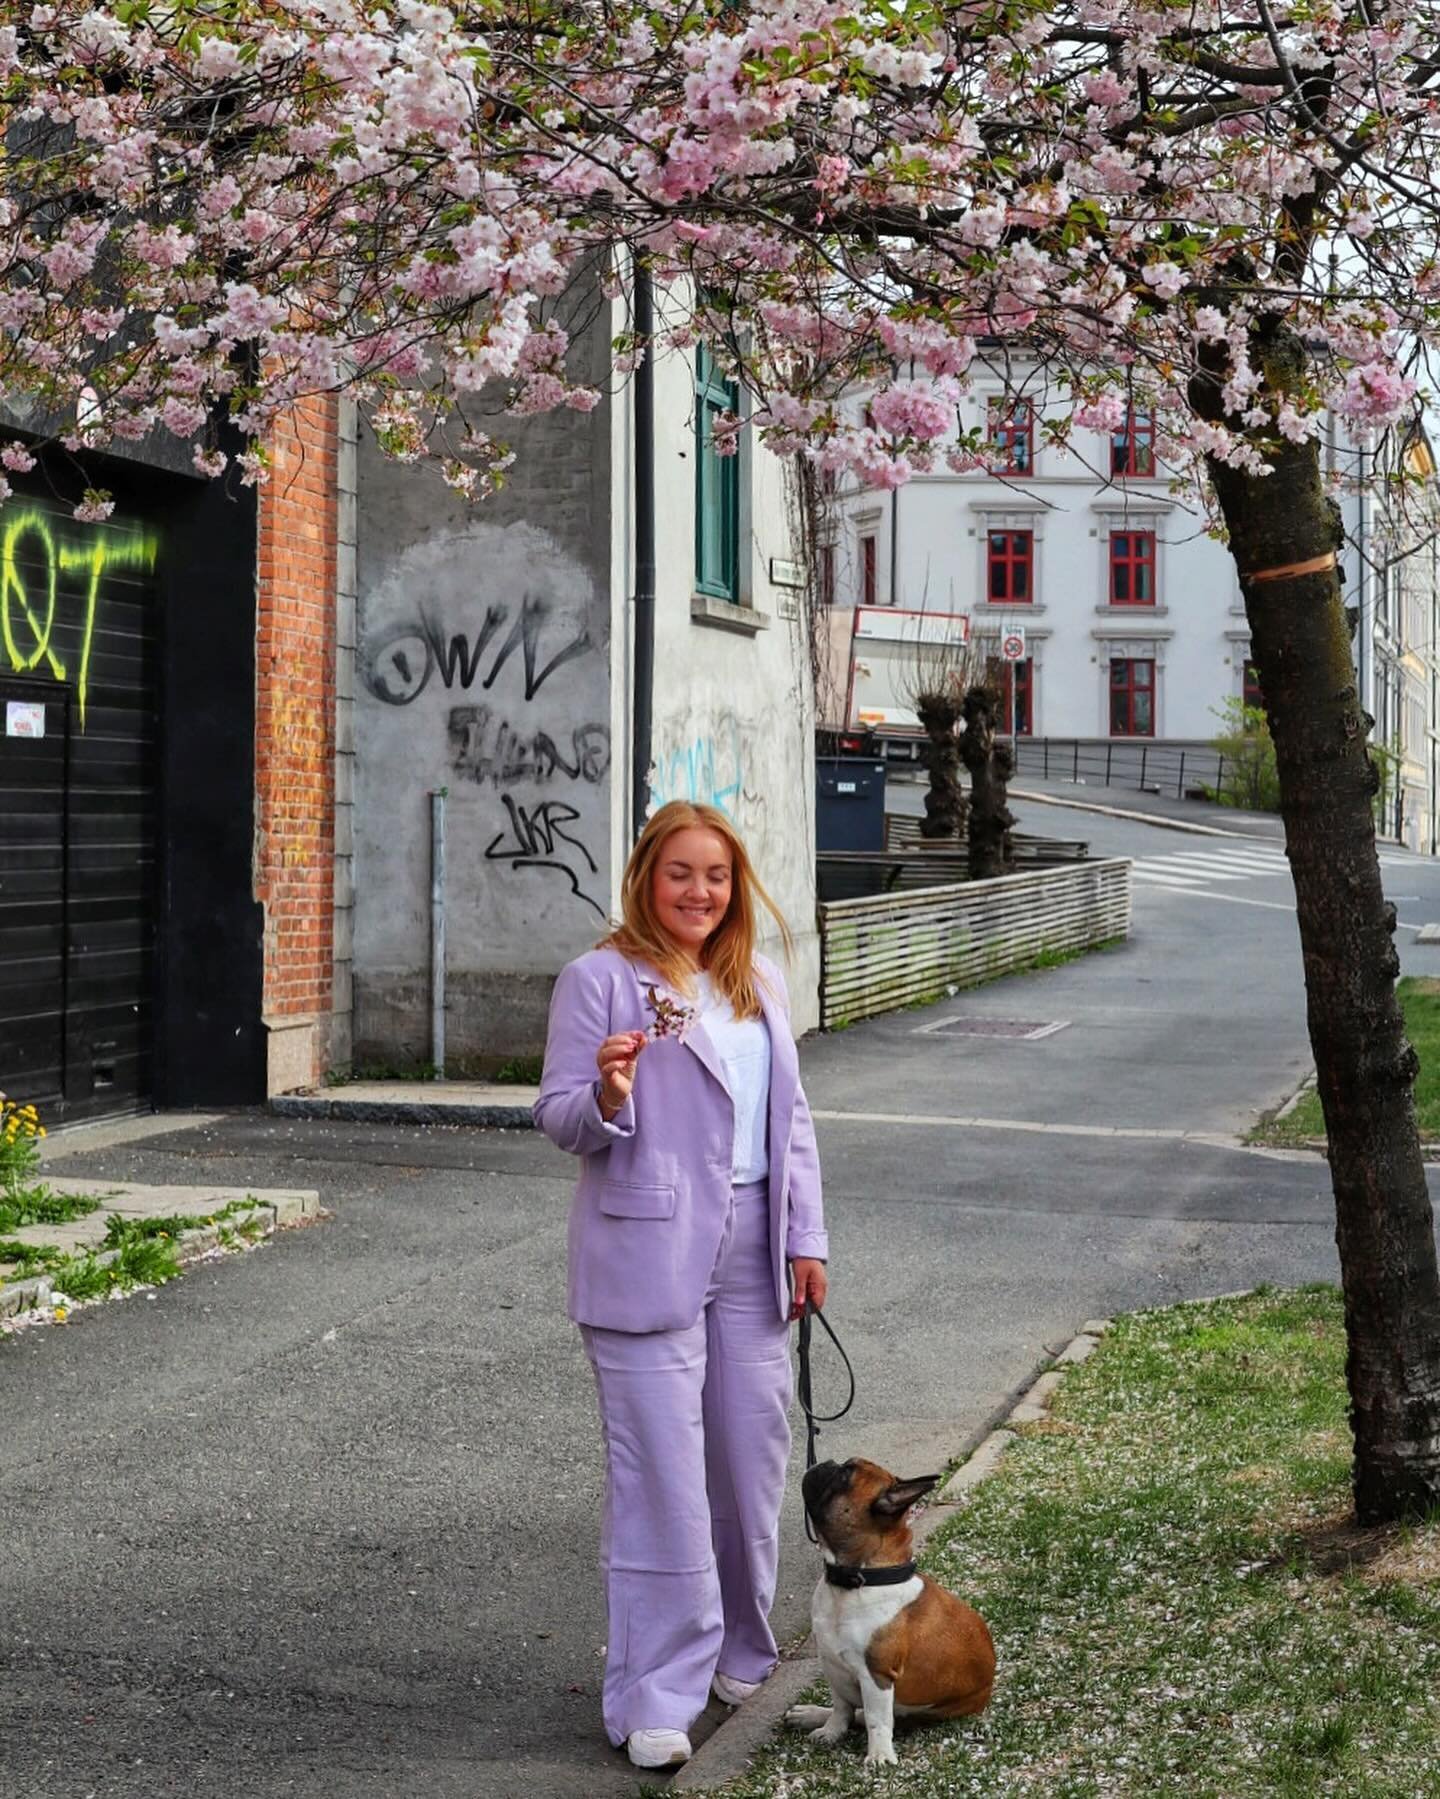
(696,1446)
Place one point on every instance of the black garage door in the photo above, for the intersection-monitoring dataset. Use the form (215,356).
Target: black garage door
(78,759)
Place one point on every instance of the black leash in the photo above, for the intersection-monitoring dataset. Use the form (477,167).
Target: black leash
(805,1393)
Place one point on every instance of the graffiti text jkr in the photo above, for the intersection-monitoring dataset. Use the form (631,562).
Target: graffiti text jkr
(541,837)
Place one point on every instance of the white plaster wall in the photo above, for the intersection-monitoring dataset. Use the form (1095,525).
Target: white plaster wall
(484,670)
(1197,632)
(733,717)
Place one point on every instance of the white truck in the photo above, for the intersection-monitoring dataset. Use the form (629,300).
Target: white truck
(875,654)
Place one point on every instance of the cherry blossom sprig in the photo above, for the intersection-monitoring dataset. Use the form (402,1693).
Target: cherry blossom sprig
(671,1018)
(212,208)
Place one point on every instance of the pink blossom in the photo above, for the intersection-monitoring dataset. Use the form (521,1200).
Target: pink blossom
(1106,413)
(182,417)
(1167,278)
(915,409)
(17,458)
(95,508)
(1375,395)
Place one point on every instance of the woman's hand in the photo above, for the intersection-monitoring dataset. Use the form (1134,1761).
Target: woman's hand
(616,1061)
(809,1282)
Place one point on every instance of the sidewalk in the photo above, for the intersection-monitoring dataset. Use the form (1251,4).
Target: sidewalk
(1151,808)
(496,1104)
(203,1220)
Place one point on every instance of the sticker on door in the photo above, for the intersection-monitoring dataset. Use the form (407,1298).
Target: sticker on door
(24,718)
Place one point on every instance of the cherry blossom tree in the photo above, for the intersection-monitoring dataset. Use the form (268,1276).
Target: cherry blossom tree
(1221,211)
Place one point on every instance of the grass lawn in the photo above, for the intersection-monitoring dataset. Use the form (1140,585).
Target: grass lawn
(1420,1002)
(1180,1606)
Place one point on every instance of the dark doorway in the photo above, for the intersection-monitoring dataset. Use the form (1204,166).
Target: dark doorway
(79,621)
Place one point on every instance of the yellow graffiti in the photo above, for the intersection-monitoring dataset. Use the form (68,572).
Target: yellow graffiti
(104,552)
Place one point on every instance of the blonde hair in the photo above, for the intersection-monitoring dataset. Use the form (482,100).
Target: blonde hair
(728,953)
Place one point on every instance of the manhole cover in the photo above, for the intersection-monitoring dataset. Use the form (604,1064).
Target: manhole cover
(1026,1030)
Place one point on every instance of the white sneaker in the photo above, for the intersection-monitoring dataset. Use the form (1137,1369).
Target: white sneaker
(731,1691)
(658,1748)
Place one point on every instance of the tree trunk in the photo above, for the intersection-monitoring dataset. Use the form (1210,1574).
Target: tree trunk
(1365,1067)
(945,804)
(991,764)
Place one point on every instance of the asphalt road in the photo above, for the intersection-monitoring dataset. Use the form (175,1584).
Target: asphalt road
(322,1520)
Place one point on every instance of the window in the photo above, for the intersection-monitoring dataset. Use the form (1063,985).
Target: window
(827,574)
(1132,697)
(868,589)
(1132,568)
(1132,448)
(1011,559)
(1012,432)
(1250,693)
(1017,690)
(717,487)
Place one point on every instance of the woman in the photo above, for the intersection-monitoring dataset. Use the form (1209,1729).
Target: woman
(696,1234)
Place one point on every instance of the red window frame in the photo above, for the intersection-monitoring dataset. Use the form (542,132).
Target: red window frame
(1132,448)
(1132,696)
(1132,568)
(1012,433)
(869,569)
(1010,568)
(1018,679)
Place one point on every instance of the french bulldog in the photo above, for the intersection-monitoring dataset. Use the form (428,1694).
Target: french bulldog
(891,1641)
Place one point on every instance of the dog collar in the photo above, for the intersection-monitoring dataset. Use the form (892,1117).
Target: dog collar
(840,1576)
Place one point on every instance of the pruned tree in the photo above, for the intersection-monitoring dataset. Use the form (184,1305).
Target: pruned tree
(942,666)
(1225,213)
(991,762)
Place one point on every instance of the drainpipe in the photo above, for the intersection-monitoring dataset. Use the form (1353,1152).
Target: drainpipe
(437,929)
(894,546)
(644,551)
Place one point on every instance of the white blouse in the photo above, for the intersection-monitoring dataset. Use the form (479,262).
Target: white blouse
(743,1046)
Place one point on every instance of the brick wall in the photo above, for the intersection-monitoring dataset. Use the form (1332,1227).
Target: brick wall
(295,742)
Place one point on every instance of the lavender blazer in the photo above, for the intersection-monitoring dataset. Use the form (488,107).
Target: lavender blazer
(654,1188)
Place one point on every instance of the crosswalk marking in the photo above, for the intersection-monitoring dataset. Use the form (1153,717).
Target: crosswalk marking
(1184,865)
(1189,870)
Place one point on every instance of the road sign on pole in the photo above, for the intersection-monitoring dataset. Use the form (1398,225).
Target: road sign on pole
(1012,649)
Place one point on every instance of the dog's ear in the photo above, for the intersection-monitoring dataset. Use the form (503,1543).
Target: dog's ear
(900,1495)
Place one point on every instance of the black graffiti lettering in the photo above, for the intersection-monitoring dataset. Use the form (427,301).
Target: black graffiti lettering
(398,666)
(454,656)
(536,835)
(485,747)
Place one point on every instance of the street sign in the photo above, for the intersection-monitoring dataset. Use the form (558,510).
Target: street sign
(1012,645)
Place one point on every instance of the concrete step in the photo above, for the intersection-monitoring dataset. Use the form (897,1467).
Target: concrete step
(491,1103)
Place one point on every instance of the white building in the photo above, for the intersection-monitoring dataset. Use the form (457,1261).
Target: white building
(1392,567)
(1133,619)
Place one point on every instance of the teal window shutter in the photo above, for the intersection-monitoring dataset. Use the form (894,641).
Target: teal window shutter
(717,487)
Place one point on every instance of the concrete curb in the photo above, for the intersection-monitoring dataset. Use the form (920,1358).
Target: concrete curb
(1144,818)
(418,1111)
(726,1754)
(280,1213)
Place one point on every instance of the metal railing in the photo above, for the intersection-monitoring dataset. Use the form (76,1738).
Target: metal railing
(1169,768)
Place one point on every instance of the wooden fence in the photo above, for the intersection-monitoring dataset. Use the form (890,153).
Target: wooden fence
(898,948)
